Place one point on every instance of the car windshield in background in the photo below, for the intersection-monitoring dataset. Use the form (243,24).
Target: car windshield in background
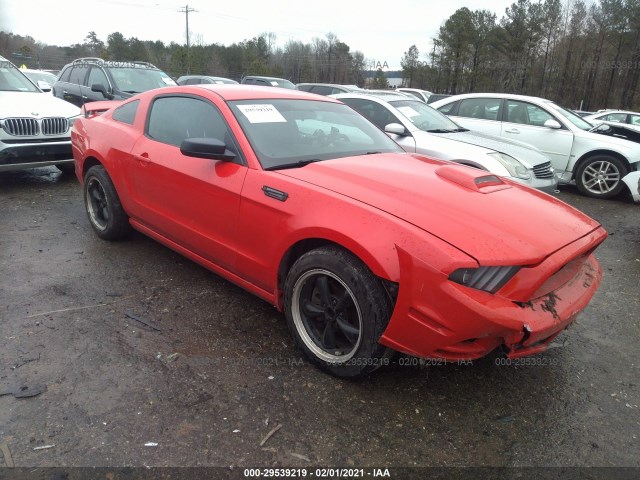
(50,78)
(574,118)
(139,79)
(291,133)
(425,117)
(11,80)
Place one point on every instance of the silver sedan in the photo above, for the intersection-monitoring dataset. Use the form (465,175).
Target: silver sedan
(417,127)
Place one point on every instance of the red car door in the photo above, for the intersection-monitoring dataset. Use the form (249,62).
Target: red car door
(193,202)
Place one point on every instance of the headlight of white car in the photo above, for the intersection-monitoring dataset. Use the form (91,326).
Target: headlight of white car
(72,120)
(513,166)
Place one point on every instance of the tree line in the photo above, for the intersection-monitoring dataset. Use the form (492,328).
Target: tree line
(326,60)
(582,55)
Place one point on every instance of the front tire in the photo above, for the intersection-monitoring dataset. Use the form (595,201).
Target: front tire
(600,176)
(336,311)
(106,215)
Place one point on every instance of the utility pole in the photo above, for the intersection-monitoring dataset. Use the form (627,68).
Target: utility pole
(186,9)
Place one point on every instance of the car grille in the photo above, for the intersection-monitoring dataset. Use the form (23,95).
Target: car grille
(21,127)
(30,127)
(543,170)
(54,125)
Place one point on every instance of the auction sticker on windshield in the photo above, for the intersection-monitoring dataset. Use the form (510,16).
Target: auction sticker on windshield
(261,113)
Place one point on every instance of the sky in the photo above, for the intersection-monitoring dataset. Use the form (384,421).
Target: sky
(382,33)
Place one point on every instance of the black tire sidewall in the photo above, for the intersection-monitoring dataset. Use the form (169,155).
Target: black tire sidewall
(118,223)
(620,165)
(373,301)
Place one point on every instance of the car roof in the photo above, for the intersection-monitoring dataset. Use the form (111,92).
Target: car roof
(512,96)
(265,78)
(369,94)
(255,92)
(606,112)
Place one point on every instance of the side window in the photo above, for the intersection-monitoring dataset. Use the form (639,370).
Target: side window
(174,119)
(77,75)
(482,108)
(415,94)
(448,108)
(526,113)
(305,88)
(322,90)
(616,117)
(193,81)
(249,81)
(259,81)
(96,75)
(127,112)
(634,119)
(372,111)
(64,76)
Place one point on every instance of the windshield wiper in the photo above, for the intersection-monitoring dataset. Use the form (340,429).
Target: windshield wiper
(298,164)
(442,130)
(461,129)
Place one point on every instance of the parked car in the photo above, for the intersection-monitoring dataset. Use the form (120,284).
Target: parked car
(93,79)
(616,116)
(203,79)
(43,80)
(597,163)
(416,92)
(418,128)
(34,126)
(268,82)
(366,248)
(326,88)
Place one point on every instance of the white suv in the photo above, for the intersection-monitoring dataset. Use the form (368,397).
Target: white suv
(35,127)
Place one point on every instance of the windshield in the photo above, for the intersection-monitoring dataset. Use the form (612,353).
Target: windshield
(424,117)
(286,133)
(12,80)
(139,79)
(577,120)
(50,78)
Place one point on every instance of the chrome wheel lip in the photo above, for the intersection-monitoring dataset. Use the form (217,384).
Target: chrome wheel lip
(94,205)
(601,177)
(300,323)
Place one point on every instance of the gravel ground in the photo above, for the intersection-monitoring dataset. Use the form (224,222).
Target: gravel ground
(212,371)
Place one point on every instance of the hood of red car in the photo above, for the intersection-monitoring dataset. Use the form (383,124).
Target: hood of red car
(495,221)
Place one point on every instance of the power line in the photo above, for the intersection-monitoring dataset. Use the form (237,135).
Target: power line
(186,10)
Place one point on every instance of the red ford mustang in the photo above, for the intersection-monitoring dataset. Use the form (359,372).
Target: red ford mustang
(367,249)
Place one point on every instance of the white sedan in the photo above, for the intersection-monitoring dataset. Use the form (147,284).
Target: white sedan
(597,163)
(615,116)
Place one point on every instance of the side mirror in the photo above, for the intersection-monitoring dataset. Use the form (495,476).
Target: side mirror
(98,87)
(552,124)
(44,86)
(211,148)
(396,129)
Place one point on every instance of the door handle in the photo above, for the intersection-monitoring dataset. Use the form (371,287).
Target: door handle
(512,130)
(143,159)
(84,97)
(64,92)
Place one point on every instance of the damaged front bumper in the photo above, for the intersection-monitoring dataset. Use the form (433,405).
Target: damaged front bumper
(437,318)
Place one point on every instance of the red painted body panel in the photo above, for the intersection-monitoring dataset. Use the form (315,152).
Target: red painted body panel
(412,220)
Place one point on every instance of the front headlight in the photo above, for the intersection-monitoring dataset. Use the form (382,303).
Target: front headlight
(72,120)
(513,166)
(489,279)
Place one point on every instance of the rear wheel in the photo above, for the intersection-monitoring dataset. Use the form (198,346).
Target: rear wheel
(106,215)
(600,176)
(336,310)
